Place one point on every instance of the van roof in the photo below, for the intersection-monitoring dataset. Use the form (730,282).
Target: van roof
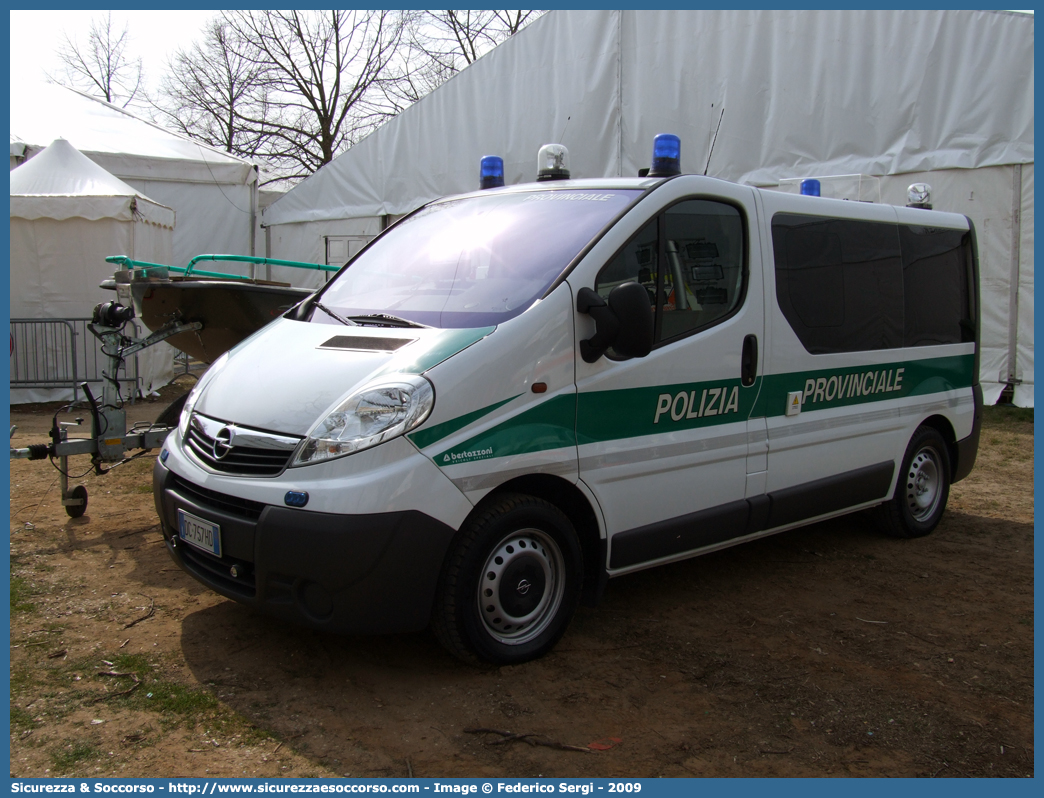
(815,205)
(586,183)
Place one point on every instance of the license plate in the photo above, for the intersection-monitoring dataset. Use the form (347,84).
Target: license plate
(204,535)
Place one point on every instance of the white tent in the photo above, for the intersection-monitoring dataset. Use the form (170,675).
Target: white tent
(944,97)
(67,215)
(213,193)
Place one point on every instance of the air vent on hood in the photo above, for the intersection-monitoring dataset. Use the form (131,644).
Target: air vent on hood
(365,343)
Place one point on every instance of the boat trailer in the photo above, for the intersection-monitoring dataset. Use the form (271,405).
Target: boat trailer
(110,440)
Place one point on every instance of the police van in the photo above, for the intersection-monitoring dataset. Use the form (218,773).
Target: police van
(511,396)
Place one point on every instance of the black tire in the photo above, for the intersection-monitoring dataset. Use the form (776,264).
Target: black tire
(77,510)
(510,584)
(922,490)
(172,413)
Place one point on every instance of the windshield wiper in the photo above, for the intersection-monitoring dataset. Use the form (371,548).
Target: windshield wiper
(385,320)
(328,312)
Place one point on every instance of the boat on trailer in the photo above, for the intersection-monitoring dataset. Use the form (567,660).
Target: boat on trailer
(229,307)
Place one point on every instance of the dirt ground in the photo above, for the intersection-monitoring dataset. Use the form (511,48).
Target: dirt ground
(824,651)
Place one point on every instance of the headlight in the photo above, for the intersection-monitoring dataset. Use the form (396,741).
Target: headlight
(194,394)
(388,407)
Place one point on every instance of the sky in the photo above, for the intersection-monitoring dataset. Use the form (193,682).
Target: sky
(154,35)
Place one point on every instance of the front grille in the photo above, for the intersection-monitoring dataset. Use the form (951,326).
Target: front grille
(219,569)
(247,461)
(233,505)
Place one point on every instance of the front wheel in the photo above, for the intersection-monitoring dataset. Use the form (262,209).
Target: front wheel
(922,489)
(510,584)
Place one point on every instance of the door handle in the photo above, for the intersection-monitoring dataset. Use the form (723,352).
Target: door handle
(749,361)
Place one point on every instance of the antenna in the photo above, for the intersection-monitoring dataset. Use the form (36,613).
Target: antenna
(562,137)
(711,150)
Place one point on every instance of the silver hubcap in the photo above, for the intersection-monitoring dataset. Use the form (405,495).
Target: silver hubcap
(923,484)
(521,586)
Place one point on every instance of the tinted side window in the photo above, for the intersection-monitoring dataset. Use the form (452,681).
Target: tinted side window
(936,268)
(839,282)
(703,274)
(703,252)
(635,262)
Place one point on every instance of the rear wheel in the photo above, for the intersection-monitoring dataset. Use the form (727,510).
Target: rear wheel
(511,583)
(922,489)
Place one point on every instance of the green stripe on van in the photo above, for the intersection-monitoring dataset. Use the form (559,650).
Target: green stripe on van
(629,413)
(840,387)
(549,425)
(601,416)
(433,350)
(424,438)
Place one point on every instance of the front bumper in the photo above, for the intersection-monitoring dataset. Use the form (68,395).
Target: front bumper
(367,574)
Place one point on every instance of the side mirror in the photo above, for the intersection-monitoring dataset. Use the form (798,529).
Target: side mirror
(625,323)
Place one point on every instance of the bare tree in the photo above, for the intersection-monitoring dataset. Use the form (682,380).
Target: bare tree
(103,67)
(320,73)
(296,88)
(458,38)
(441,43)
(210,91)
(511,22)
(459,34)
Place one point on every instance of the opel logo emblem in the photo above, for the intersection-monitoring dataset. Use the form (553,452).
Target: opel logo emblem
(523,587)
(222,443)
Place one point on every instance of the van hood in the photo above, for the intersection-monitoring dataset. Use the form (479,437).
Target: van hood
(290,373)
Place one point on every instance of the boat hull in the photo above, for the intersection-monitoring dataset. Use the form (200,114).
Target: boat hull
(229,310)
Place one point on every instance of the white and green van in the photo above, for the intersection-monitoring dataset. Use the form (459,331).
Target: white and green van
(512,396)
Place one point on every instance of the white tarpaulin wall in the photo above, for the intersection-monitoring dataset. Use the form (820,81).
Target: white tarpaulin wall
(67,215)
(780,93)
(213,193)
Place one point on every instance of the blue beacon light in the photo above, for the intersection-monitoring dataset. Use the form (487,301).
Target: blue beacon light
(491,172)
(666,160)
(810,187)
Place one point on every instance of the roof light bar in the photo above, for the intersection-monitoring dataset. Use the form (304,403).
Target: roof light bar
(666,159)
(491,172)
(552,163)
(810,187)
(919,195)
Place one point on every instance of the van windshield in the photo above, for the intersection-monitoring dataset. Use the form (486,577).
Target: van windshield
(475,261)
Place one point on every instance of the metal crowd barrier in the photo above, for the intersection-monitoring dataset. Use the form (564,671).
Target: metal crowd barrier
(62,353)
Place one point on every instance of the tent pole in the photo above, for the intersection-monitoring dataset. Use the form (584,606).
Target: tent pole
(619,94)
(253,224)
(1013,289)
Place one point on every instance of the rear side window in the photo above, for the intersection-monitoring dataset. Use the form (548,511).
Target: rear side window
(847,285)
(939,296)
(839,282)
